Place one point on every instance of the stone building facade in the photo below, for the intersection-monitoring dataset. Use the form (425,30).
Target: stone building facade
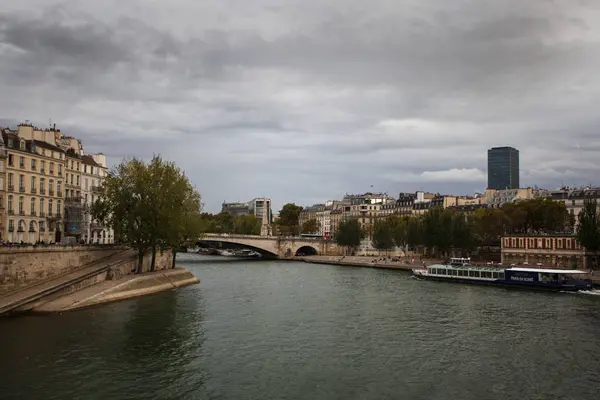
(543,251)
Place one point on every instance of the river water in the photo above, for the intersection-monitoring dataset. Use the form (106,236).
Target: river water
(283,330)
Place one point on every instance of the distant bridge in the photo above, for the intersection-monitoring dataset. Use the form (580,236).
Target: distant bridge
(276,246)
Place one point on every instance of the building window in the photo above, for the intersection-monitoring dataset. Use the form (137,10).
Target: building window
(31,226)
(58,207)
(11,161)
(42,165)
(11,225)
(42,226)
(77,180)
(33,183)
(10,203)
(42,184)
(21,210)
(72,164)
(52,168)
(86,183)
(22,162)
(10,180)
(41,205)
(32,206)
(71,179)
(32,163)
(50,207)
(22,145)
(59,169)
(58,186)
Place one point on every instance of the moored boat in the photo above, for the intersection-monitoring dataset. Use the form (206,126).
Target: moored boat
(461,270)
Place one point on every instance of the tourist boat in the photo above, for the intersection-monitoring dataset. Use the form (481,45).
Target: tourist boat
(248,254)
(461,270)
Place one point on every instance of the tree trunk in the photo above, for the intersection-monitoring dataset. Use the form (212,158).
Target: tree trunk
(140,266)
(174,254)
(153,262)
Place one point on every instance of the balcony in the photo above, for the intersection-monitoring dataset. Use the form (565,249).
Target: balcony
(43,171)
(21,212)
(51,172)
(59,193)
(60,173)
(42,214)
(11,228)
(11,212)
(32,213)
(96,189)
(51,192)
(42,228)
(20,230)
(97,226)
(42,191)
(73,200)
(22,189)
(33,190)
(33,168)
(22,166)
(11,188)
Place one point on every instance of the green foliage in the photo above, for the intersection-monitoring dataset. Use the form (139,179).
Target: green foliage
(288,219)
(226,223)
(382,238)
(349,233)
(310,226)
(399,229)
(588,229)
(150,206)
(414,233)
(536,216)
(462,232)
(488,226)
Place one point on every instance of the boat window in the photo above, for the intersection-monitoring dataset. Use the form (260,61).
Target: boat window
(500,275)
(473,274)
(461,272)
(495,275)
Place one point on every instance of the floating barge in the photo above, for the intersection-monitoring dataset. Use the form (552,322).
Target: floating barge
(461,270)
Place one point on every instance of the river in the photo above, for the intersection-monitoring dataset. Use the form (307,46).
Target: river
(284,330)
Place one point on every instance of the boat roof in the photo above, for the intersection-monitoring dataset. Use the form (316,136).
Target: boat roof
(548,271)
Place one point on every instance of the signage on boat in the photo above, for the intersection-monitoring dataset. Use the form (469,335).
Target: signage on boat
(521,276)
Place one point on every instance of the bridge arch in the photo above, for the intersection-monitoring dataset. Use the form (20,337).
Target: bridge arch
(306,251)
(237,246)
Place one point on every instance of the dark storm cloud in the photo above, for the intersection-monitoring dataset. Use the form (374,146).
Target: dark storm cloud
(308,100)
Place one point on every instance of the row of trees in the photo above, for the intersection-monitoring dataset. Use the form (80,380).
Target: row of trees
(226,223)
(444,230)
(151,207)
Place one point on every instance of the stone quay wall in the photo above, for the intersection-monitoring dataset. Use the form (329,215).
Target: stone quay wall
(22,266)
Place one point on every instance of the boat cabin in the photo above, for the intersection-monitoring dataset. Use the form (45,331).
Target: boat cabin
(544,276)
(465,271)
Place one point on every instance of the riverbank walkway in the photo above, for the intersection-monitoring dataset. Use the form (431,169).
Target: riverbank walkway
(15,299)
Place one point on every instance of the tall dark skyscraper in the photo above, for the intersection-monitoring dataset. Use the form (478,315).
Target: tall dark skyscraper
(503,168)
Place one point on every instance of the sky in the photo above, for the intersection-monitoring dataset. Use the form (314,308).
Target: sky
(306,100)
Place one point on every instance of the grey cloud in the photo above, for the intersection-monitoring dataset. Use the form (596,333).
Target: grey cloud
(307,100)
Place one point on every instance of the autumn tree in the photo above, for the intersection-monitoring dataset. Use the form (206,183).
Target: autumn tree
(147,204)
(288,219)
(588,229)
(311,226)
(382,238)
(349,233)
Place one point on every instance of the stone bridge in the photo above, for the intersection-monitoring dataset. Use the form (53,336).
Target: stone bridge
(279,246)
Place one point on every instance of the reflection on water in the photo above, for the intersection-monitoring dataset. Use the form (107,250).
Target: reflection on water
(278,330)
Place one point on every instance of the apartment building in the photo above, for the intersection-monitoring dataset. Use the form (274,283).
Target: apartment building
(2,189)
(73,200)
(34,185)
(93,171)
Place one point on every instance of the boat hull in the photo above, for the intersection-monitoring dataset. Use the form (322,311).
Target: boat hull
(504,283)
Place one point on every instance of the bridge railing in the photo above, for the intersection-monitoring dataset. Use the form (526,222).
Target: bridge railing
(237,236)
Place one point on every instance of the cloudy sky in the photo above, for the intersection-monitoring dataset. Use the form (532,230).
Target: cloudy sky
(305,100)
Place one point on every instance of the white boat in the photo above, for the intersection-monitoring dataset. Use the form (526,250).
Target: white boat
(461,270)
(227,253)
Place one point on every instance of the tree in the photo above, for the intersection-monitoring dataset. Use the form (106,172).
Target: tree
(150,206)
(414,233)
(288,219)
(246,225)
(488,226)
(399,228)
(588,229)
(382,238)
(310,226)
(349,233)
(462,233)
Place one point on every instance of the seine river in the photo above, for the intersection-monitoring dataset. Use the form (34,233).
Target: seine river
(282,330)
